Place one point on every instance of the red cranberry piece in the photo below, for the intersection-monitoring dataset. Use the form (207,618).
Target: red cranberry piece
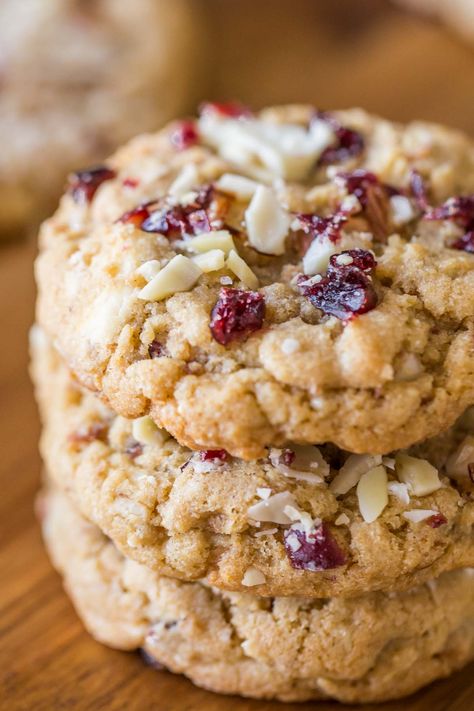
(419,191)
(348,143)
(313,551)
(359,183)
(136,217)
(457,209)
(184,135)
(225,109)
(214,455)
(323,227)
(130,183)
(236,315)
(134,449)
(465,243)
(180,220)
(347,290)
(156,349)
(437,520)
(83,185)
(96,431)
(287,457)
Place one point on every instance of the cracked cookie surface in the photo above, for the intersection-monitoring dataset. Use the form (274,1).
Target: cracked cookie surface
(371,648)
(310,521)
(227,293)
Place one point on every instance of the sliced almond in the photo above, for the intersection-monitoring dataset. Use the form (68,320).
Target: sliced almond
(400,491)
(241,270)
(417,515)
(351,471)
(220,239)
(149,269)
(372,493)
(187,179)
(210,261)
(272,509)
(145,431)
(421,477)
(457,466)
(180,274)
(253,576)
(236,185)
(267,222)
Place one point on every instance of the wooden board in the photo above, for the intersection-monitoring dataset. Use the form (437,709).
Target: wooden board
(47,661)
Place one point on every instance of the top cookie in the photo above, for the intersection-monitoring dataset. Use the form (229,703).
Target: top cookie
(250,280)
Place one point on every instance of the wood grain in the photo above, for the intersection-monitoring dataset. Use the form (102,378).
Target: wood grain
(47,661)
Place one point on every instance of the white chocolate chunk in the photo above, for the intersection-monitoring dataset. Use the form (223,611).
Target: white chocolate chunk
(285,150)
(145,431)
(267,222)
(185,181)
(264,492)
(241,270)
(420,476)
(253,576)
(180,274)
(290,345)
(402,210)
(149,269)
(220,239)
(372,493)
(400,491)
(210,261)
(272,509)
(236,185)
(417,515)
(351,471)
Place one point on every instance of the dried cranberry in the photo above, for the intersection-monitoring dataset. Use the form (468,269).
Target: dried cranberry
(419,191)
(134,449)
(130,182)
(156,349)
(323,227)
(313,551)
(225,109)
(237,313)
(287,457)
(84,184)
(348,143)
(359,183)
(137,216)
(184,135)
(465,243)
(457,209)
(347,290)
(180,220)
(96,431)
(436,520)
(212,455)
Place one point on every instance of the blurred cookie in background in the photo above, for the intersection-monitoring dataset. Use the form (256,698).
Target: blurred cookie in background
(77,78)
(369,53)
(457,13)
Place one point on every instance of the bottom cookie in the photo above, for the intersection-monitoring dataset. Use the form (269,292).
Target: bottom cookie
(371,648)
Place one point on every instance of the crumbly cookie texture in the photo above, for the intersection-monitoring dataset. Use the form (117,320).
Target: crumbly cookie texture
(291,276)
(78,79)
(370,648)
(302,521)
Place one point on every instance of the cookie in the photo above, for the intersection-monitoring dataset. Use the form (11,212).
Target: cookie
(292,276)
(79,77)
(301,521)
(370,648)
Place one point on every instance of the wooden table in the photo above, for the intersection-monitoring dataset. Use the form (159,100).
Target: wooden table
(47,661)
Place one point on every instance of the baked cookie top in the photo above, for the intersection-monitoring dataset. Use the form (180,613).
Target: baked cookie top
(305,520)
(369,648)
(250,280)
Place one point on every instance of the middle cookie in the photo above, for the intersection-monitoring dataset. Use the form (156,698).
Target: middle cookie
(306,521)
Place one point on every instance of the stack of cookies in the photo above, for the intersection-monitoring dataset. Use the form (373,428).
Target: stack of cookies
(254,362)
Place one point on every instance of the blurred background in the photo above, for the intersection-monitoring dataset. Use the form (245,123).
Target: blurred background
(79,77)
